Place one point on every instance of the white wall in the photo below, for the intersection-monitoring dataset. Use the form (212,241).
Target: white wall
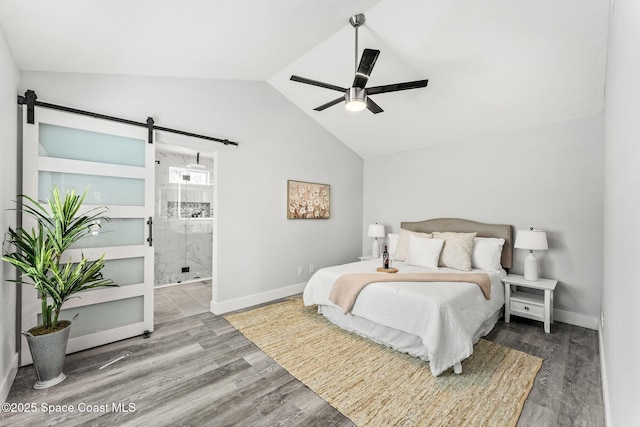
(620,341)
(8,187)
(259,250)
(548,177)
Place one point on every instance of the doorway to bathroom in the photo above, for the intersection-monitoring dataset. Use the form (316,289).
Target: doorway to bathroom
(183,231)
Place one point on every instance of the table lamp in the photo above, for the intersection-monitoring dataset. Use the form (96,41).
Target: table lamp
(533,240)
(376,230)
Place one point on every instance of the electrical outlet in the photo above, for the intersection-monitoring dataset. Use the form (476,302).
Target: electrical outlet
(185,269)
(312,268)
(300,270)
(602,320)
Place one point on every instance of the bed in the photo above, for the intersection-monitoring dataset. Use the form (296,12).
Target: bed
(437,321)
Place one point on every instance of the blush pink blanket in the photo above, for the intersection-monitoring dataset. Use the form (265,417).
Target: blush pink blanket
(346,288)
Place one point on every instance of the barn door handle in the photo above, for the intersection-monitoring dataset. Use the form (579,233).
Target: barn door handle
(150,224)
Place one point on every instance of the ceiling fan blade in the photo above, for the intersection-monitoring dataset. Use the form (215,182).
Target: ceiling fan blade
(329,104)
(397,86)
(368,60)
(317,83)
(373,107)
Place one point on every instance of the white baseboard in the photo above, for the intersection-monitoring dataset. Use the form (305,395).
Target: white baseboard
(577,319)
(7,382)
(605,382)
(255,299)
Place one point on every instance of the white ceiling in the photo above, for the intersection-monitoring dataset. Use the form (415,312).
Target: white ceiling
(492,65)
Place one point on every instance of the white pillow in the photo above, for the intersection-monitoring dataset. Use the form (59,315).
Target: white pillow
(487,253)
(393,244)
(424,252)
(403,243)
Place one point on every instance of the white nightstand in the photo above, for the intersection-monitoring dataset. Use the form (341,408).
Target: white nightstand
(531,306)
(368,257)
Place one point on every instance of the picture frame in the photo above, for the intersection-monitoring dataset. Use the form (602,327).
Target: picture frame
(308,200)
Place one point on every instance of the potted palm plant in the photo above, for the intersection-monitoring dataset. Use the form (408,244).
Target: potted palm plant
(38,255)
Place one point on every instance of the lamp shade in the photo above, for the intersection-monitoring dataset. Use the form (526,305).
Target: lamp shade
(376,230)
(533,240)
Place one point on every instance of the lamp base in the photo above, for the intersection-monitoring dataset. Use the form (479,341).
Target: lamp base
(531,268)
(375,249)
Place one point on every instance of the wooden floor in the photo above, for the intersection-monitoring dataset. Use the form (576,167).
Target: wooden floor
(199,371)
(568,388)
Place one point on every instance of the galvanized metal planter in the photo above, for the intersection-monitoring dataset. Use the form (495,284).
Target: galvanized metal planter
(48,353)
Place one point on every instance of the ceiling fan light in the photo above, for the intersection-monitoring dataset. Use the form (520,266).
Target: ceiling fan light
(355,105)
(356,99)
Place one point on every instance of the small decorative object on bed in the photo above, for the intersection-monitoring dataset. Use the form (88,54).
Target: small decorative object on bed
(307,200)
(385,257)
(386,270)
(533,240)
(436,313)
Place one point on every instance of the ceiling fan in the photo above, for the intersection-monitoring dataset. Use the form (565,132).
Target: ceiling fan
(357,97)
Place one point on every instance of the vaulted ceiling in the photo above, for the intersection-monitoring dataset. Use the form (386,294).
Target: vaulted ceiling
(492,65)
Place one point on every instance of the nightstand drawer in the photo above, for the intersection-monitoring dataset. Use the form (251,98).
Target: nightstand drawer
(527,308)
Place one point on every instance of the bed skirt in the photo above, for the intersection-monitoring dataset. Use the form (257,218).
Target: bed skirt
(394,338)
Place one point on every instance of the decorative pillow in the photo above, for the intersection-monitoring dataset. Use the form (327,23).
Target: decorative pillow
(424,252)
(393,244)
(487,253)
(403,243)
(456,252)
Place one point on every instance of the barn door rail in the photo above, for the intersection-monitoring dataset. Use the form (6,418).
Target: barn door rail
(30,99)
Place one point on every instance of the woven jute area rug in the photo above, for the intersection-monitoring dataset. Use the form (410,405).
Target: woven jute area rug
(374,385)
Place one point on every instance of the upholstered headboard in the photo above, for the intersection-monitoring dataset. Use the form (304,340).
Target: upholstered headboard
(458,225)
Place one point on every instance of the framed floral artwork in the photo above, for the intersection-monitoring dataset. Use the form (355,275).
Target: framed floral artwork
(307,200)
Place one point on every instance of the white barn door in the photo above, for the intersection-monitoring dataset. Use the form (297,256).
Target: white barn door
(116,163)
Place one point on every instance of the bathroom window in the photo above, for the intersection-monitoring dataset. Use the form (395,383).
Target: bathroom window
(191,176)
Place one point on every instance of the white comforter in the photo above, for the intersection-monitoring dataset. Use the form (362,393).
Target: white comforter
(446,316)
